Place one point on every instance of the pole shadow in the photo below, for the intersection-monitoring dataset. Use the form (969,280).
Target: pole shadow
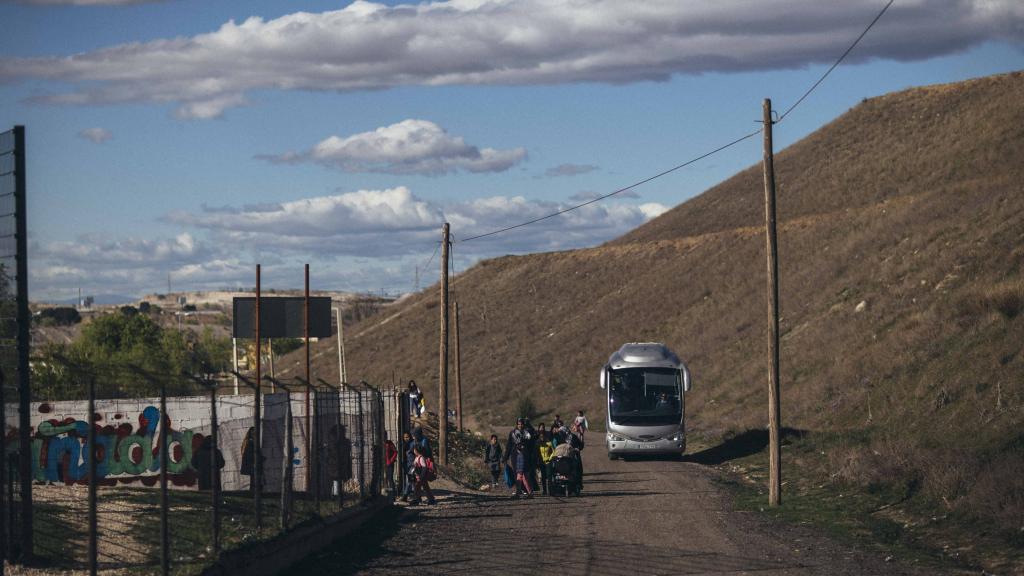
(739,446)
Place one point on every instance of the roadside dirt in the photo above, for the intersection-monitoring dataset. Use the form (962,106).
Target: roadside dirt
(635,517)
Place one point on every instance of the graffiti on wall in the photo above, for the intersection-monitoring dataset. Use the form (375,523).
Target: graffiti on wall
(126,451)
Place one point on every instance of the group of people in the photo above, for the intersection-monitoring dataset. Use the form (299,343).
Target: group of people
(420,467)
(530,451)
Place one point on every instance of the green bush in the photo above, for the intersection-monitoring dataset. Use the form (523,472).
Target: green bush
(525,408)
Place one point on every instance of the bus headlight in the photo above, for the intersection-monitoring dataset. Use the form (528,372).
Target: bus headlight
(615,438)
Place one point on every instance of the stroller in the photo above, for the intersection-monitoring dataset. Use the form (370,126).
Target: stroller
(567,475)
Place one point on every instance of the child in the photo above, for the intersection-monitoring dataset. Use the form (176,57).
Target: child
(492,457)
(422,466)
(581,423)
(520,466)
(546,452)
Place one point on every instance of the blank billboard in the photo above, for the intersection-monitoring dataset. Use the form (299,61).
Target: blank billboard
(281,317)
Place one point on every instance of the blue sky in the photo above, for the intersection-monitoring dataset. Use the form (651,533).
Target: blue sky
(164,140)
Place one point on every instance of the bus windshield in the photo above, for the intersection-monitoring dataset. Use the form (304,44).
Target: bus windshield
(645,397)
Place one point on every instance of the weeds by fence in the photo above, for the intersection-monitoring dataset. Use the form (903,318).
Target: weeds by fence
(166,483)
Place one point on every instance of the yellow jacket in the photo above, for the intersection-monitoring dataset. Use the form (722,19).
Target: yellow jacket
(546,452)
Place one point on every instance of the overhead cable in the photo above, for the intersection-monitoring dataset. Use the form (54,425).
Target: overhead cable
(619,191)
(836,63)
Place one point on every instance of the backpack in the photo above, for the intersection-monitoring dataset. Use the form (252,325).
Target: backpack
(430,472)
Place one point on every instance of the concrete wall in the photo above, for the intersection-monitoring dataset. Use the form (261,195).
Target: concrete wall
(129,432)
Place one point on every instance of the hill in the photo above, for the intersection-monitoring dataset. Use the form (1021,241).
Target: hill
(902,298)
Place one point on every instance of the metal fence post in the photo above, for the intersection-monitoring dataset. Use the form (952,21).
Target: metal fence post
(255,484)
(91,440)
(338,449)
(5,503)
(314,442)
(362,446)
(287,466)
(215,471)
(165,529)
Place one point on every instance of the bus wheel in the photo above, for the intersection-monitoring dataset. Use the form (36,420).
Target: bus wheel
(612,456)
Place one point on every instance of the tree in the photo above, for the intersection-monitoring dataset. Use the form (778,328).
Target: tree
(59,316)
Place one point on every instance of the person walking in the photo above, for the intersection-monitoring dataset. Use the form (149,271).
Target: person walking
(425,472)
(414,399)
(556,424)
(516,436)
(581,423)
(410,458)
(545,452)
(520,459)
(492,458)
(390,458)
(530,451)
(422,442)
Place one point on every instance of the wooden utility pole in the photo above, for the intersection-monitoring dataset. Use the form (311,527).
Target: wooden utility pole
(442,385)
(257,461)
(774,442)
(309,415)
(458,370)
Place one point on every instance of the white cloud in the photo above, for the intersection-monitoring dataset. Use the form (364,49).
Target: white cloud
(358,240)
(96,135)
(506,42)
(127,252)
(84,2)
(408,147)
(323,216)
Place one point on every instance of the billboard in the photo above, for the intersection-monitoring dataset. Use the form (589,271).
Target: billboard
(281,317)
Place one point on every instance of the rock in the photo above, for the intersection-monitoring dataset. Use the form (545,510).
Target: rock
(862,306)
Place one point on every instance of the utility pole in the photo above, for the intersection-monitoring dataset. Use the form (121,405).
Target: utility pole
(774,442)
(309,414)
(458,370)
(442,384)
(342,372)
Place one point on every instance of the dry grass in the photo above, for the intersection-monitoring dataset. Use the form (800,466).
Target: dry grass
(911,203)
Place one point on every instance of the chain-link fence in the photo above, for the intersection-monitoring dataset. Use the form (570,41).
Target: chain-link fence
(168,481)
(15,491)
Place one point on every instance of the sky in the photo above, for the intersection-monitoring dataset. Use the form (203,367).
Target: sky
(182,142)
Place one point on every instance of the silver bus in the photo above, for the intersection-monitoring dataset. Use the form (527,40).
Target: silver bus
(644,385)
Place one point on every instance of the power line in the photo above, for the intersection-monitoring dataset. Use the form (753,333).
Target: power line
(836,63)
(619,191)
(431,259)
(698,158)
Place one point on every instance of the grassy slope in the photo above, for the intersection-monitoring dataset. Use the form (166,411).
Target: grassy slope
(912,203)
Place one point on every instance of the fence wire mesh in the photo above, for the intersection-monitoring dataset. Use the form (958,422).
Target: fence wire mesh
(194,434)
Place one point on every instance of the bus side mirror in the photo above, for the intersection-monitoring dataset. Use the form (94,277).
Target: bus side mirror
(686,379)
(604,378)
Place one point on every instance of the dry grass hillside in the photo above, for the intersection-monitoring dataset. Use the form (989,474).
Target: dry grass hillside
(902,298)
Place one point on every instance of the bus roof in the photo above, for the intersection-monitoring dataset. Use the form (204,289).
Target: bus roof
(639,354)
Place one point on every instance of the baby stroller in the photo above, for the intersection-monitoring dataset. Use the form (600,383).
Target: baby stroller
(567,475)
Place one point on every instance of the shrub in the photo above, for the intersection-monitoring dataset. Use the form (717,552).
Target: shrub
(525,408)
(62,316)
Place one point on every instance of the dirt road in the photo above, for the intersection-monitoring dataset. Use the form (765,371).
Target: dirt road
(634,518)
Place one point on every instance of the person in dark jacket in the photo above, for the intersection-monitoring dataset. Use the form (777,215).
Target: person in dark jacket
(530,452)
(516,436)
(410,456)
(492,458)
(202,462)
(422,442)
(390,458)
(249,459)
